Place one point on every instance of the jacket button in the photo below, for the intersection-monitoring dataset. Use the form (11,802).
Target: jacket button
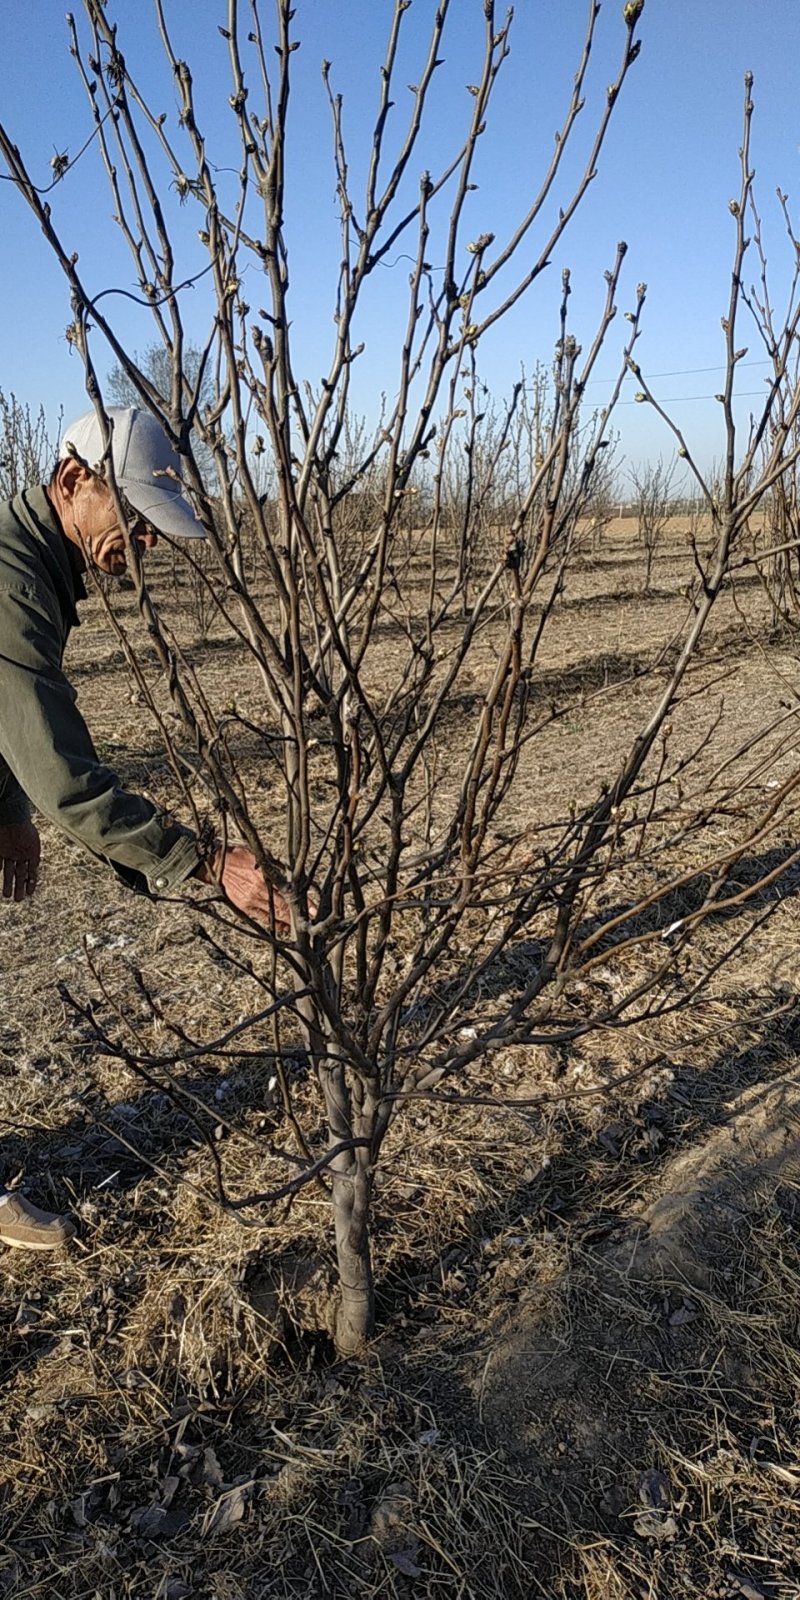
(161,883)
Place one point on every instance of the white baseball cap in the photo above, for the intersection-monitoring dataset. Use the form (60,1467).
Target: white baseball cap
(146,467)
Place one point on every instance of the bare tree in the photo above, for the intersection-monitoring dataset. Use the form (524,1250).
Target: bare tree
(604,497)
(590,473)
(413,889)
(778,536)
(499,451)
(652,504)
(780,567)
(27,452)
(156,365)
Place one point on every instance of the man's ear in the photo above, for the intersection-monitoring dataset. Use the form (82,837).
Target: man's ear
(71,475)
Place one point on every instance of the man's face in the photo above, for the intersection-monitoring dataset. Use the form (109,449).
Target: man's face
(97,530)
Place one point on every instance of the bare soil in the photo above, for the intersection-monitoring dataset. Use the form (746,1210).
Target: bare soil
(586,1378)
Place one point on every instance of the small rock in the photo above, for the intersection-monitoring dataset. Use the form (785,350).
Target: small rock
(228,1511)
(212,1471)
(654,1489)
(683,1315)
(26,1318)
(404,1561)
(390,1518)
(40,1413)
(156,1522)
(745,1586)
(654,1525)
(657,1522)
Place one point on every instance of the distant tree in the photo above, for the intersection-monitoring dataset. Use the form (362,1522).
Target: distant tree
(27,451)
(603,496)
(778,564)
(156,365)
(652,506)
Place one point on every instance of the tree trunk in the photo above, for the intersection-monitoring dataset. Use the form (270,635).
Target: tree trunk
(648,556)
(355,1317)
(351,1114)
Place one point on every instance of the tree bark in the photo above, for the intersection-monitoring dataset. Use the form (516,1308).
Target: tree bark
(351,1114)
(355,1316)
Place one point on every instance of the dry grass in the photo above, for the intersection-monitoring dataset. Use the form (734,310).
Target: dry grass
(585,1383)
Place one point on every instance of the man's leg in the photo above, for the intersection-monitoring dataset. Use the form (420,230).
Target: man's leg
(23,1226)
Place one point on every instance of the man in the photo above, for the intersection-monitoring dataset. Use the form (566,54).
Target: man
(48,536)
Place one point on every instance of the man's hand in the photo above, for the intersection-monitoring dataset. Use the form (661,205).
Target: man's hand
(239,875)
(19,859)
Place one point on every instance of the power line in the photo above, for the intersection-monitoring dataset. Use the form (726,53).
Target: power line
(687,372)
(682,399)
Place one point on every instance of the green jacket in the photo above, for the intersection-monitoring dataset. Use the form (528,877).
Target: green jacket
(46,754)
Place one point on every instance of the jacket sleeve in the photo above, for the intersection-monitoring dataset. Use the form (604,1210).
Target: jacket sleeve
(47,749)
(14,803)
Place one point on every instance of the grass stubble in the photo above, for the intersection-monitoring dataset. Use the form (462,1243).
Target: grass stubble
(586,1380)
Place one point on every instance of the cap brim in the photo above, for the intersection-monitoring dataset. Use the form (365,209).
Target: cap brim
(165,508)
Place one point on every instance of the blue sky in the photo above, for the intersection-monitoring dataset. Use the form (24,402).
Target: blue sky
(666,176)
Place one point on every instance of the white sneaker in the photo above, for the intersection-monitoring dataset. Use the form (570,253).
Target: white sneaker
(23,1226)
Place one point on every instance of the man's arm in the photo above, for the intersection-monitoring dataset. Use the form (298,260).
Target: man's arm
(45,744)
(48,756)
